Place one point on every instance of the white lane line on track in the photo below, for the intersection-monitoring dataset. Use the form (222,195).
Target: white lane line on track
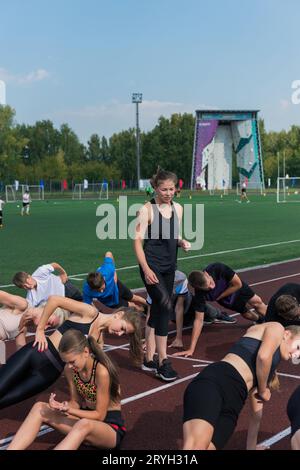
(291,376)
(276,438)
(204,255)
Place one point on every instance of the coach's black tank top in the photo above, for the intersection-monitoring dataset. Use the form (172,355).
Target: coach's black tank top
(247,348)
(161,240)
(72,325)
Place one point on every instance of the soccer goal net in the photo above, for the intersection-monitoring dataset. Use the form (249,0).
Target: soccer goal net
(252,188)
(288,189)
(10,193)
(90,191)
(218,192)
(36,191)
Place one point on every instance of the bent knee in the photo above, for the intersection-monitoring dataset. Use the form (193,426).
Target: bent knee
(84,425)
(255,301)
(41,408)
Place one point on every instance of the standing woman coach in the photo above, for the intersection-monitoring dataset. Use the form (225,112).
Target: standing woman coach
(158,227)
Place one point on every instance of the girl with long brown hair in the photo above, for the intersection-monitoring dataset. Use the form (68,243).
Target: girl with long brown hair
(93,412)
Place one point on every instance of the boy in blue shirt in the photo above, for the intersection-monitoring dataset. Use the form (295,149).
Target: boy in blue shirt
(104,286)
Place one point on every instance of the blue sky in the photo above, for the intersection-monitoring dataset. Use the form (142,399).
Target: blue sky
(78,61)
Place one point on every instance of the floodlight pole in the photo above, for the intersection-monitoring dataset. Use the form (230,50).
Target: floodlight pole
(137,98)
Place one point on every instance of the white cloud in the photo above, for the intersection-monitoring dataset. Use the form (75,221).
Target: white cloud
(34,76)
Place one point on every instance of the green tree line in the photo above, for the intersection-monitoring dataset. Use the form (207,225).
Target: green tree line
(29,153)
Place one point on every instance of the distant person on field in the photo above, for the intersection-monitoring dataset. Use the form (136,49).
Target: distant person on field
(244,196)
(1,212)
(149,191)
(105,286)
(43,283)
(26,203)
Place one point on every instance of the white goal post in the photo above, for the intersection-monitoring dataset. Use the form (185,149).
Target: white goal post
(288,189)
(90,191)
(10,193)
(35,190)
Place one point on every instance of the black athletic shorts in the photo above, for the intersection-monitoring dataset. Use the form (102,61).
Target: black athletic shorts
(125,295)
(114,419)
(217,395)
(240,299)
(293,410)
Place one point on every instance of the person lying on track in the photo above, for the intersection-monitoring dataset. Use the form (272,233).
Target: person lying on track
(16,313)
(36,366)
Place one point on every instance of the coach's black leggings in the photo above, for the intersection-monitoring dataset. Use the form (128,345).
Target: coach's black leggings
(28,372)
(162,307)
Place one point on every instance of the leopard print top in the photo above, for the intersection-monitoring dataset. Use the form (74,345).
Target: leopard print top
(86,390)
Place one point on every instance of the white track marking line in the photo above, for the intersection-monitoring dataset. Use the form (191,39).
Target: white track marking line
(157,389)
(278,437)
(199,256)
(274,280)
(291,376)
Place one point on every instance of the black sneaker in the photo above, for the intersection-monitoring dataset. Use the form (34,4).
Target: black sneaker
(224,318)
(150,365)
(208,321)
(166,372)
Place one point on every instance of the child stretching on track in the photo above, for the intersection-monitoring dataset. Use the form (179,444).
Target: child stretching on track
(215,398)
(37,365)
(93,413)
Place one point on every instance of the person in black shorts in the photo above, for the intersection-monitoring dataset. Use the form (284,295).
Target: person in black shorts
(216,396)
(244,196)
(93,413)
(218,282)
(283,306)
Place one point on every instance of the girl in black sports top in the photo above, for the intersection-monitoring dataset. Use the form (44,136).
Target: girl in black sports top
(215,398)
(156,243)
(93,413)
(36,366)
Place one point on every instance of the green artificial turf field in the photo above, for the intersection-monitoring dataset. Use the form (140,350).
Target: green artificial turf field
(65,231)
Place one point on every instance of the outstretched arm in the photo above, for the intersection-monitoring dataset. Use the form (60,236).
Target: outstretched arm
(62,273)
(55,301)
(235,285)
(197,329)
(142,224)
(256,412)
(13,301)
(184,244)
(271,340)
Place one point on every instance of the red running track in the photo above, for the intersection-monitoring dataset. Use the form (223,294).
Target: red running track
(153,409)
